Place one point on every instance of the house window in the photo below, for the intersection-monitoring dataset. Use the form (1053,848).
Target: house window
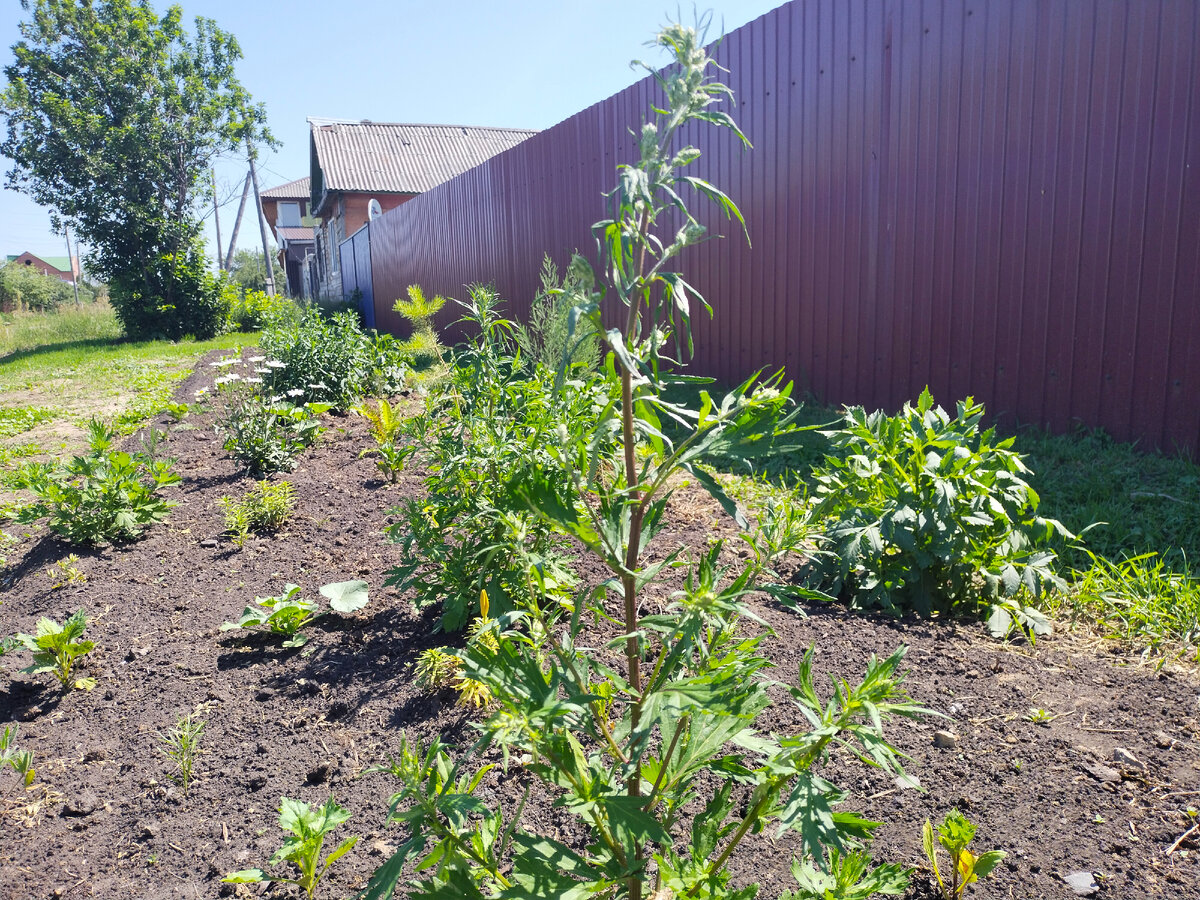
(288,215)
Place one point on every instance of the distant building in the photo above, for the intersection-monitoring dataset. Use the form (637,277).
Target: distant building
(286,210)
(62,267)
(353,163)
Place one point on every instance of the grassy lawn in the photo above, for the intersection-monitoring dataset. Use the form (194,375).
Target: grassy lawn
(59,370)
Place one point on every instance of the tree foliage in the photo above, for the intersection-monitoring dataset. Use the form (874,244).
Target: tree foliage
(114,113)
(249,272)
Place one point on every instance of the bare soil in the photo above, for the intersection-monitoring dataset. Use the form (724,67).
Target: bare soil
(105,819)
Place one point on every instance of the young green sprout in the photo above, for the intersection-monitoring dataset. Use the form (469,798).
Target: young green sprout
(308,828)
(954,834)
(56,648)
(181,745)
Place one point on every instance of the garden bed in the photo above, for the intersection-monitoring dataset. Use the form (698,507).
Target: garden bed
(104,818)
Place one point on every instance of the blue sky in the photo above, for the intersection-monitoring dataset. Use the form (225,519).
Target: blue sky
(463,62)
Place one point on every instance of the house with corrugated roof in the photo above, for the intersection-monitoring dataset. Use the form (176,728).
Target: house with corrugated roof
(352,163)
(65,268)
(286,210)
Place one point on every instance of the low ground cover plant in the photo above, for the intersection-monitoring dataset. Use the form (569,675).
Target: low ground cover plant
(929,512)
(287,614)
(308,827)
(107,495)
(57,649)
(264,508)
(846,876)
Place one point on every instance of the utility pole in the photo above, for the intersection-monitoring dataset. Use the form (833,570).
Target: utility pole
(216,218)
(71,263)
(237,224)
(262,225)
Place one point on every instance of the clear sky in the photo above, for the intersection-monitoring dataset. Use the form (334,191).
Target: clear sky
(525,64)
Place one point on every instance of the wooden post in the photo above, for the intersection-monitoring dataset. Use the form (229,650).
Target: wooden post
(237,224)
(262,225)
(217,219)
(71,264)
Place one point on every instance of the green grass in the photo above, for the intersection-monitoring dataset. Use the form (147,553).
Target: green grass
(30,331)
(59,370)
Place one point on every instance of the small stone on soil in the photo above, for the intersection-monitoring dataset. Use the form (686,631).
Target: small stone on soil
(945,740)
(83,805)
(209,543)
(1163,740)
(1102,773)
(1082,883)
(1127,760)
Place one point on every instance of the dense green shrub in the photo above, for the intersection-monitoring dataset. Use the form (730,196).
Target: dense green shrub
(106,495)
(169,297)
(251,310)
(23,288)
(319,360)
(929,513)
(487,430)
(264,436)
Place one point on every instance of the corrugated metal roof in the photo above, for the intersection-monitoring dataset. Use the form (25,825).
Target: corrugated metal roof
(395,158)
(289,233)
(293,190)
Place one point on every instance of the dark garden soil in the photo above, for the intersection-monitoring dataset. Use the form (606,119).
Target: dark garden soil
(105,819)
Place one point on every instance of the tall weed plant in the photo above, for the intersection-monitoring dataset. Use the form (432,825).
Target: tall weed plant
(657,758)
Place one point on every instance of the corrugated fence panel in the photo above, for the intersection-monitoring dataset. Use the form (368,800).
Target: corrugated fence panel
(998,198)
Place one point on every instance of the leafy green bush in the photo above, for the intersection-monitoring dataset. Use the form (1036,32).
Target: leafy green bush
(21,287)
(929,513)
(318,360)
(104,496)
(251,310)
(267,437)
(169,297)
(493,427)
(631,754)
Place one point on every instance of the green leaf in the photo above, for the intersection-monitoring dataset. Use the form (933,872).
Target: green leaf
(246,876)
(717,492)
(346,596)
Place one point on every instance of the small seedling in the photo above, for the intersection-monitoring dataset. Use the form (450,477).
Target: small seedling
(20,761)
(288,613)
(1039,716)
(65,573)
(177,411)
(56,648)
(264,508)
(846,877)
(954,835)
(303,850)
(181,745)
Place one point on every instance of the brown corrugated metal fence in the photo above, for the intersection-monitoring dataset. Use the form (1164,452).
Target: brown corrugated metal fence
(993,198)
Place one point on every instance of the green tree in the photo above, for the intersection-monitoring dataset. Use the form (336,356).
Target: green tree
(249,272)
(114,114)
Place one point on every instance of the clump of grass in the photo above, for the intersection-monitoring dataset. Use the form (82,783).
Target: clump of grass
(1146,602)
